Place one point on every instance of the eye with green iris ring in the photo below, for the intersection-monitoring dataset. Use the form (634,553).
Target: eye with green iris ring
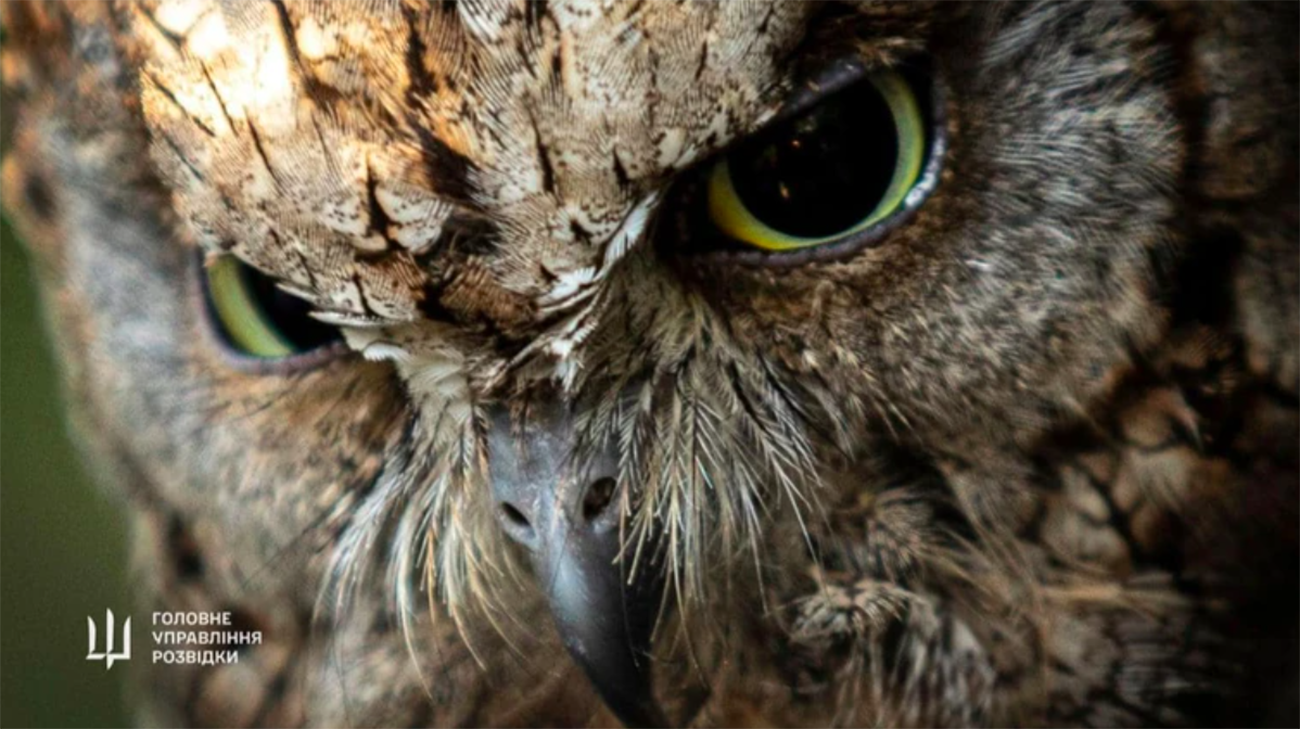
(840,168)
(256,318)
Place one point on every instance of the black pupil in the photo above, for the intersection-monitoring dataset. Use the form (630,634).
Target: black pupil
(286,313)
(821,173)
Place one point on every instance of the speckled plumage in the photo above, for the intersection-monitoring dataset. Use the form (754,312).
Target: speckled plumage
(1030,460)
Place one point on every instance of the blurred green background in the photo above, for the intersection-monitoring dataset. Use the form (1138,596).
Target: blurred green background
(62,543)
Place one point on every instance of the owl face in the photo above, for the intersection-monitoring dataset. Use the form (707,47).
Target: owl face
(606,311)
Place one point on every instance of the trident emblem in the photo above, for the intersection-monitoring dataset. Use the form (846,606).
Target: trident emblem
(108,656)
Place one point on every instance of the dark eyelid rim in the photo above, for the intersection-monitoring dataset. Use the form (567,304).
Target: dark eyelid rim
(247,363)
(838,76)
(834,77)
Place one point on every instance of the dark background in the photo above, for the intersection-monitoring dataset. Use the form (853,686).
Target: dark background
(63,550)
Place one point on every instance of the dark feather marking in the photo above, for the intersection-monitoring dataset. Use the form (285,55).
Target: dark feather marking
(361,291)
(378,222)
(543,155)
(557,62)
(421,84)
(1191,102)
(36,192)
(321,93)
(311,275)
(177,41)
(261,152)
(620,172)
(187,561)
(432,307)
(767,20)
(468,236)
(177,103)
(220,101)
(330,161)
(581,235)
(181,156)
(447,169)
(286,29)
(704,47)
(534,12)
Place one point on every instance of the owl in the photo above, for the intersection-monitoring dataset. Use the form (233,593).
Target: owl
(583,363)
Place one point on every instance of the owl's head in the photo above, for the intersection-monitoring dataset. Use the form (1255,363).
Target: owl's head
(614,307)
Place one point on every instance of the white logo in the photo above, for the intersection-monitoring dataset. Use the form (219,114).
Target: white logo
(108,656)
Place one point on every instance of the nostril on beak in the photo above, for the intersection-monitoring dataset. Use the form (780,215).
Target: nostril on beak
(516,524)
(514,515)
(597,501)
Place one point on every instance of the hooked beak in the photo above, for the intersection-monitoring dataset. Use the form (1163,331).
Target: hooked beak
(566,515)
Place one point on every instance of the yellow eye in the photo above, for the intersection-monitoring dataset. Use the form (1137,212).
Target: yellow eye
(256,318)
(818,178)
